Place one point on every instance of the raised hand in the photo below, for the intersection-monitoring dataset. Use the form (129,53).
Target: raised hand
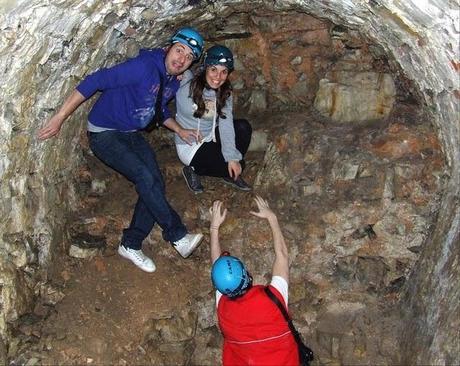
(217,214)
(264,210)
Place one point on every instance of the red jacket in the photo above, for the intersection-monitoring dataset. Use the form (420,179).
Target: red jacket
(255,331)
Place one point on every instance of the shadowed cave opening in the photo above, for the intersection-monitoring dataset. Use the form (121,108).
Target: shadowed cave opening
(344,148)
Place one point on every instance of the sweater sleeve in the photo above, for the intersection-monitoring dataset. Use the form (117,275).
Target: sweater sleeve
(126,73)
(227,133)
(186,78)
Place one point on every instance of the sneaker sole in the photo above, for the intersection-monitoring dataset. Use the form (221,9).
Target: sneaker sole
(191,189)
(194,246)
(126,256)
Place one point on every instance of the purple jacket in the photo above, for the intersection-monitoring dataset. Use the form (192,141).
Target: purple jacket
(129,91)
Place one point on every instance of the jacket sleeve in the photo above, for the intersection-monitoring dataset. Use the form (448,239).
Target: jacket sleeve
(169,93)
(126,73)
(227,133)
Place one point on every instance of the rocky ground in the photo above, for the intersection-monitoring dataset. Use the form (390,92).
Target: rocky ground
(355,204)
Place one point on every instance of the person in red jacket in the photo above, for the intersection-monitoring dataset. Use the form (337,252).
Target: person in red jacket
(254,329)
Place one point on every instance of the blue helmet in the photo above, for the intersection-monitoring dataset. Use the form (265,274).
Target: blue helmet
(219,55)
(189,37)
(229,276)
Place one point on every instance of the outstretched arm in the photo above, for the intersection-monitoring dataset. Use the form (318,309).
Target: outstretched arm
(281,263)
(53,126)
(217,218)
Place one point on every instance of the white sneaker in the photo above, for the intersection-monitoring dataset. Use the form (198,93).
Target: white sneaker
(138,258)
(187,244)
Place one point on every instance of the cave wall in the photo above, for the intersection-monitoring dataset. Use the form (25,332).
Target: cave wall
(47,48)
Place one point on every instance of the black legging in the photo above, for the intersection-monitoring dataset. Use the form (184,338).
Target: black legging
(209,161)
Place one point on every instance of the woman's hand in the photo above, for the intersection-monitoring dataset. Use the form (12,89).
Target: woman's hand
(189,136)
(234,169)
(217,215)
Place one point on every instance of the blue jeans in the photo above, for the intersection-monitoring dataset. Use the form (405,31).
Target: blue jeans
(131,155)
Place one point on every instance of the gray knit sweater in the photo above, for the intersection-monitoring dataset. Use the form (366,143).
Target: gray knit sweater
(184,116)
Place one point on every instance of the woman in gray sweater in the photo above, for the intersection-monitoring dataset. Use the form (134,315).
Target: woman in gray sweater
(204,105)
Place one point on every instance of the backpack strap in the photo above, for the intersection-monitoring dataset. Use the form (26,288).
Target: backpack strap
(306,354)
(283,310)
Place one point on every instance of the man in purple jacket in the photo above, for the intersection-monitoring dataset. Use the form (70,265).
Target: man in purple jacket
(132,94)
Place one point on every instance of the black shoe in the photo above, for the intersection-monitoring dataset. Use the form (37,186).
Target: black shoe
(192,179)
(239,183)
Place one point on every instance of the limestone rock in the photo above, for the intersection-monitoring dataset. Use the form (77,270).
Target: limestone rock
(345,170)
(258,141)
(274,172)
(82,253)
(20,249)
(49,294)
(258,101)
(85,245)
(3,353)
(208,347)
(206,311)
(16,296)
(355,97)
(176,328)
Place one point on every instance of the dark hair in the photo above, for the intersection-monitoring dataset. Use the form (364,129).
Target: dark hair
(196,92)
